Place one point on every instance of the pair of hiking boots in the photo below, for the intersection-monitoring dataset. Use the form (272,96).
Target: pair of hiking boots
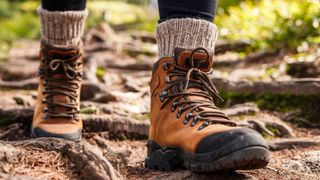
(186,128)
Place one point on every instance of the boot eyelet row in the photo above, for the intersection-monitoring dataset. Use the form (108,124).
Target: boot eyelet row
(44,100)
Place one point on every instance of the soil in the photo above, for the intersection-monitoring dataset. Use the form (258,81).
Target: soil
(115,108)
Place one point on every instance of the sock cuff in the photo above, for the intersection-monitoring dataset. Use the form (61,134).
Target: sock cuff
(62,27)
(185,33)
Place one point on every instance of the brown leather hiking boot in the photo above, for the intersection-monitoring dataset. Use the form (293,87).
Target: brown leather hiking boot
(187,129)
(57,107)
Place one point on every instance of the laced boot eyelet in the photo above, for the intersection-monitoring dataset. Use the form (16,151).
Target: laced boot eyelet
(195,120)
(165,66)
(45,82)
(44,100)
(186,120)
(179,113)
(174,104)
(168,79)
(205,124)
(45,110)
(162,95)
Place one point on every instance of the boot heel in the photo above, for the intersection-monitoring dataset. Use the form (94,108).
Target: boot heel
(162,158)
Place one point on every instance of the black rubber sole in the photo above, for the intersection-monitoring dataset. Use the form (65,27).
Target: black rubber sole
(38,133)
(167,159)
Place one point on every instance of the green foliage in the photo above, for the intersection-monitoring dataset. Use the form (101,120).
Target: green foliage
(89,110)
(17,20)
(100,72)
(4,121)
(266,23)
(117,13)
(271,23)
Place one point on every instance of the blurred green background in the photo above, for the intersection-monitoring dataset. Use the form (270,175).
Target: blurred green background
(285,24)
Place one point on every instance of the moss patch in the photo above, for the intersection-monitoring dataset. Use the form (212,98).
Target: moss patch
(307,107)
(4,121)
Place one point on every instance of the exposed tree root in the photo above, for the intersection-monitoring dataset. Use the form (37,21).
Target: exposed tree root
(10,129)
(242,109)
(116,124)
(24,84)
(255,57)
(18,114)
(87,159)
(295,86)
(119,159)
(224,46)
(271,126)
(280,144)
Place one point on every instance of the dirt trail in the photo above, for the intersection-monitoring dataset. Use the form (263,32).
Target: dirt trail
(115,109)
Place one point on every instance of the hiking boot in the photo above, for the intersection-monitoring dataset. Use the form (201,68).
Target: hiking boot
(57,107)
(187,129)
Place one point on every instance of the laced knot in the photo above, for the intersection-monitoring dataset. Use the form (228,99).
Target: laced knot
(62,77)
(190,90)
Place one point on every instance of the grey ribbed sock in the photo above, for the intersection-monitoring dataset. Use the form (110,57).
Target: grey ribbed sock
(185,33)
(62,28)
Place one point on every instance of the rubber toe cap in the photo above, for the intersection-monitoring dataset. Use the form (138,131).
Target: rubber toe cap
(230,141)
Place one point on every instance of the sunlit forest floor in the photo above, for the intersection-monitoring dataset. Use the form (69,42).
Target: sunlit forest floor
(271,86)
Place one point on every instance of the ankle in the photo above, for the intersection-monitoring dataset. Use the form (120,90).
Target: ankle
(185,33)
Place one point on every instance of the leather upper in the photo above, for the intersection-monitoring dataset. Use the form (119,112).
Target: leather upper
(58,100)
(166,128)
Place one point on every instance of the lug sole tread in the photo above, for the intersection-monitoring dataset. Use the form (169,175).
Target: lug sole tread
(253,157)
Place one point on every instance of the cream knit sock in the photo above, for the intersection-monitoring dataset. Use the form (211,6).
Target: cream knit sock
(62,28)
(185,33)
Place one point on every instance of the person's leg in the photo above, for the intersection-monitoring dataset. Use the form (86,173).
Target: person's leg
(186,127)
(64,5)
(57,107)
(202,9)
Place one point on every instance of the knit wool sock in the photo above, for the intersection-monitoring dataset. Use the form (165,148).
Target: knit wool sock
(62,28)
(185,33)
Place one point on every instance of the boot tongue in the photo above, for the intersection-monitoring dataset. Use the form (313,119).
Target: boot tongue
(61,53)
(200,59)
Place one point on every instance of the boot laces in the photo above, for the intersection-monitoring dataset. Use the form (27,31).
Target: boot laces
(66,83)
(194,78)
